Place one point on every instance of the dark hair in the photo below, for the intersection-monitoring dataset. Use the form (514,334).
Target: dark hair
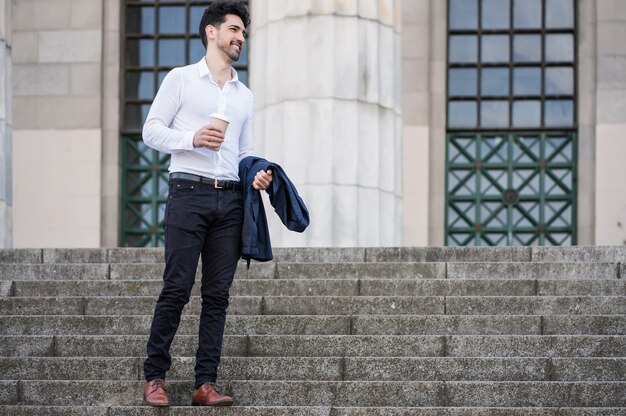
(216,13)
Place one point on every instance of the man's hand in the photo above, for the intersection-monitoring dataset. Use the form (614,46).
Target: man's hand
(210,137)
(262,180)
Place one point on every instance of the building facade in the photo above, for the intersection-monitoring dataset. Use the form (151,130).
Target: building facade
(423,122)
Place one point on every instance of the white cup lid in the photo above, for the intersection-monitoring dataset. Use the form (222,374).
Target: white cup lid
(220,117)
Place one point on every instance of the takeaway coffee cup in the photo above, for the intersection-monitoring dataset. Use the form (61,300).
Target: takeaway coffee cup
(220,121)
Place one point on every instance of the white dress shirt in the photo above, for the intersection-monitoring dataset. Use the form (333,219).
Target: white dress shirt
(186,98)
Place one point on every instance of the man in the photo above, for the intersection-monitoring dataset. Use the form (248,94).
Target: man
(204,211)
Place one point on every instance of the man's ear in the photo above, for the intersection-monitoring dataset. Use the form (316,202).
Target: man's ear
(210,30)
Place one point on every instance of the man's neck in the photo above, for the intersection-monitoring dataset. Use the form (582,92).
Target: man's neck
(221,71)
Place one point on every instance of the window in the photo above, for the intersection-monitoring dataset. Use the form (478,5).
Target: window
(158,36)
(511,82)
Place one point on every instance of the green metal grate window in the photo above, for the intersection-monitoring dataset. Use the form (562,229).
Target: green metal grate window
(511,189)
(159,35)
(511,123)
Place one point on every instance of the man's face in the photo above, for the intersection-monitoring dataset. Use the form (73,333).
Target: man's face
(230,36)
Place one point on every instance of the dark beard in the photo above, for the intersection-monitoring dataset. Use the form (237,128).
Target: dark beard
(233,55)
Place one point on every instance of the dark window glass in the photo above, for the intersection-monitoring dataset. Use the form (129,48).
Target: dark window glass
(162,75)
(494,114)
(463,14)
(140,20)
(495,48)
(527,81)
(527,113)
(560,14)
(495,14)
(559,48)
(195,16)
(243,58)
(515,57)
(527,14)
(463,49)
(462,82)
(140,52)
(559,81)
(462,114)
(243,76)
(135,115)
(140,85)
(171,52)
(527,48)
(196,50)
(559,113)
(172,19)
(494,81)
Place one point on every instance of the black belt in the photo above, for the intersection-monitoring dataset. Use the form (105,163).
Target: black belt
(215,183)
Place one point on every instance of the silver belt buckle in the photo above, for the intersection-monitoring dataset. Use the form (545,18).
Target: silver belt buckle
(216,186)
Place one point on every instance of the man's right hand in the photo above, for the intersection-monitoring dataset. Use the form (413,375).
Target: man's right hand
(208,136)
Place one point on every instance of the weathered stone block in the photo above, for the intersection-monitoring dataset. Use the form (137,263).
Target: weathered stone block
(25,47)
(446,325)
(20,255)
(75,255)
(70,46)
(342,345)
(41,79)
(446,369)
(361,270)
(29,346)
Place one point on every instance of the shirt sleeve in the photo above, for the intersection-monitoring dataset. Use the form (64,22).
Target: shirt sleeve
(246,147)
(156,131)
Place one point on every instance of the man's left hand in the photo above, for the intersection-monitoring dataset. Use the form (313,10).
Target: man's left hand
(262,180)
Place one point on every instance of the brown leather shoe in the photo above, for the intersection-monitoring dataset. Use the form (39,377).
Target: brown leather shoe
(207,395)
(154,393)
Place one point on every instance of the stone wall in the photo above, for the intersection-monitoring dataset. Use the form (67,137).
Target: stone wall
(6,199)
(610,130)
(57,114)
(423,118)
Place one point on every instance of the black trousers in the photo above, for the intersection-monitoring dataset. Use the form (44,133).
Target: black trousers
(199,221)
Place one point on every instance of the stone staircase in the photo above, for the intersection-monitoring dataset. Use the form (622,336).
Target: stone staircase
(327,332)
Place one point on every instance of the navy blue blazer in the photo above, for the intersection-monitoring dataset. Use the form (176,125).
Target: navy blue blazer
(255,236)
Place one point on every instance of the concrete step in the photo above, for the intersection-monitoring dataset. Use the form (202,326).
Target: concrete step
(526,270)
(239,305)
(336,254)
(332,287)
(326,368)
(156,255)
(326,345)
(234,345)
(298,255)
(307,411)
(272,270)
(491,325)
(173,411)
(536,346)
(363,270)
(329,305)
(391,411)
(329,393)
(589,254)
(536,305)
(328,325)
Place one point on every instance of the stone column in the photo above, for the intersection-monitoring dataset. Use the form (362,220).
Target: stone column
(327,79)
(6,197)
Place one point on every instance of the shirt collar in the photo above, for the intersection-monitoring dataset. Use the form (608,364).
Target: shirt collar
(203,70)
